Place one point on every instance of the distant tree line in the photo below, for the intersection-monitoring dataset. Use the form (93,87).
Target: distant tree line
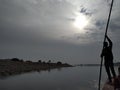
(39,61)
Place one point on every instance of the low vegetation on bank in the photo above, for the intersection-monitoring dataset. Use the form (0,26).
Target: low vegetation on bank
(16,66)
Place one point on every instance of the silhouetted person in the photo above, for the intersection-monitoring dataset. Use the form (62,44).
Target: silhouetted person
(108,58)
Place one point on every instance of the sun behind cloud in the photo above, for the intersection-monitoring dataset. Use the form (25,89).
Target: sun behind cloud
(80,21)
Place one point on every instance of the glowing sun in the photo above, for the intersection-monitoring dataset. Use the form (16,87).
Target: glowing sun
(81,21)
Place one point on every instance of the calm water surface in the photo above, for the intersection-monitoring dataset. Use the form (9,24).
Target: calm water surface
(73,78)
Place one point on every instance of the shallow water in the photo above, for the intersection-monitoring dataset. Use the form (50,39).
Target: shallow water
(72,78)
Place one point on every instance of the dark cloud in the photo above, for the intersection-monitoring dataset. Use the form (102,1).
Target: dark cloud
(85,11)
(100,25)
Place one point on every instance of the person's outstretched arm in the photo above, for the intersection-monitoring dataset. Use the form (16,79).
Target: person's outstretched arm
(110,42)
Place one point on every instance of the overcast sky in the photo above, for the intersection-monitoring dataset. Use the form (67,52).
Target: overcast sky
(44,29)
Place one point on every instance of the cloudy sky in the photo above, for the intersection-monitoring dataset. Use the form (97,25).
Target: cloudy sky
(68,30)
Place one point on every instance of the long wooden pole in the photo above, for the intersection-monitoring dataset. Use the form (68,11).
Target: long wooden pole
(99,84)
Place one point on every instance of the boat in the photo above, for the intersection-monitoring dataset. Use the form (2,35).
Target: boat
(114,85)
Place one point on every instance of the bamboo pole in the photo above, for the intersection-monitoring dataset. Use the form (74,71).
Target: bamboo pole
(106,30)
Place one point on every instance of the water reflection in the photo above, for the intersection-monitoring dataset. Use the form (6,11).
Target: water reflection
(72,78)
(8,75)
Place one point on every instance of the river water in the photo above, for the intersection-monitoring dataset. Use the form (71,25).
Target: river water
(72,78)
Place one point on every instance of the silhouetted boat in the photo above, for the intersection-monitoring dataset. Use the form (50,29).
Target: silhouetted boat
(115,85)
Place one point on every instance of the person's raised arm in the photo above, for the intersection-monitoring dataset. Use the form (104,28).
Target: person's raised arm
(110,42)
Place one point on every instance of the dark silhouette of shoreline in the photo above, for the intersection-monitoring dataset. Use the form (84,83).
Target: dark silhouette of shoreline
(15,66)
(115,64)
